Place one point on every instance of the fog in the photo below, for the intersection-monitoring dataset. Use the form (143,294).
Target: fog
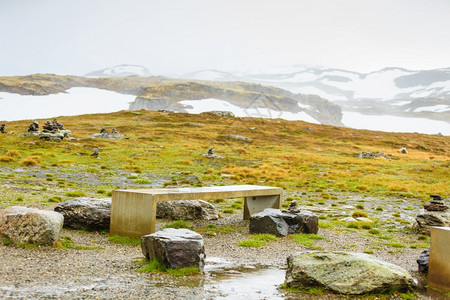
(179,36)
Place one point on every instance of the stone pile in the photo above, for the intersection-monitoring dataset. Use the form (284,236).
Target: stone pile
(373,155)
(211,154)
(436,204)
(435,214)
(104,134)
(53,131)
(2,128)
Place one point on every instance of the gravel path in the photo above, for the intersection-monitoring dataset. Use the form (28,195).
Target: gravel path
(50,273)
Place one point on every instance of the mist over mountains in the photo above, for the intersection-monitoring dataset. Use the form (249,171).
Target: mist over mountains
(391,99)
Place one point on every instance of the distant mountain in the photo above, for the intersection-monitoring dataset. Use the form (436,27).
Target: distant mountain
(121,71)
(180,95)
(390,91)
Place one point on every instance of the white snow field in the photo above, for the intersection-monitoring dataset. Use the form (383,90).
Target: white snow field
(204,105)
(75,101)
(394,124)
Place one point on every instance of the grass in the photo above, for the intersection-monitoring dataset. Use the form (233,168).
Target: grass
(172,150)
(75,194)
(306,239)
(179,224)
(155,266)
(257,240)
(66,243)
(124,240)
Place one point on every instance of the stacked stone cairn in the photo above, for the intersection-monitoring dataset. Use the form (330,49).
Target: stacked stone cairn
(2,128)
(53,131)
(436,204)
(435,214)
(104,134)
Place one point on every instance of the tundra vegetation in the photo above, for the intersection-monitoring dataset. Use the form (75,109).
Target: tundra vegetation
(318,168)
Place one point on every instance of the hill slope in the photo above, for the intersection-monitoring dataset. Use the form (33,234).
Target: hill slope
(157,93)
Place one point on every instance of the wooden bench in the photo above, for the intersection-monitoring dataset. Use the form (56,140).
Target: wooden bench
(133,212)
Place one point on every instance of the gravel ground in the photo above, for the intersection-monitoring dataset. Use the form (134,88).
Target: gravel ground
(51,273)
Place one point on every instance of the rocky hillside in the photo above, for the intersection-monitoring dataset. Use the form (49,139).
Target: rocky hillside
(393,91)
(160,93)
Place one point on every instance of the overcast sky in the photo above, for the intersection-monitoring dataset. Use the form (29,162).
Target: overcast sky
(178,36)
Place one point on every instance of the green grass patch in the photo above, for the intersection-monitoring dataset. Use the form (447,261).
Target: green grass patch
(252,243)
(124,240)
(75,194)
(155,266)
(66,243)
(179,224)
(306,239)
(141,181)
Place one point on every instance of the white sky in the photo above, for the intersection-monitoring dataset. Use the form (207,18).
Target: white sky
(178,36)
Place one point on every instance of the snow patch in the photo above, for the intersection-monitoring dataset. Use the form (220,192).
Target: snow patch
(434,108)
(204,105)
(75,101)
(394,123)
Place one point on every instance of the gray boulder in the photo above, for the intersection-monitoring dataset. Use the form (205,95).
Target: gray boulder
(220,113)
(237,138)
(31,226)
(108,135)
(276,222)
(86,213)
(175,248)
(423,261)
(347,273)
(427,219)
(186,210)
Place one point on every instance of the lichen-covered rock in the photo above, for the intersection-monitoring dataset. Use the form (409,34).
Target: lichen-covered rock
(427,219)
(31,226)
(347,273)
(175,248)
(186,210)
(236,137)
(276,222)
(108,135)
(84,212)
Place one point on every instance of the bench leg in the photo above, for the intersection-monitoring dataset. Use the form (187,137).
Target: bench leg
(132,214)
(256,204)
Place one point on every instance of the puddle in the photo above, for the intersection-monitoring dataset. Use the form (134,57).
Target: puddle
(230,280)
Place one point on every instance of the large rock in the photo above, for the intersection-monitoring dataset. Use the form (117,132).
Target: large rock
(187,210)
(86,213)
(32,226)
(345,273)
(175,248)
(427,219)
(276,222)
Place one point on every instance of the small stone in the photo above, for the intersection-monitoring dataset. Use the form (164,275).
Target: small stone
(423,261)
(403,150)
